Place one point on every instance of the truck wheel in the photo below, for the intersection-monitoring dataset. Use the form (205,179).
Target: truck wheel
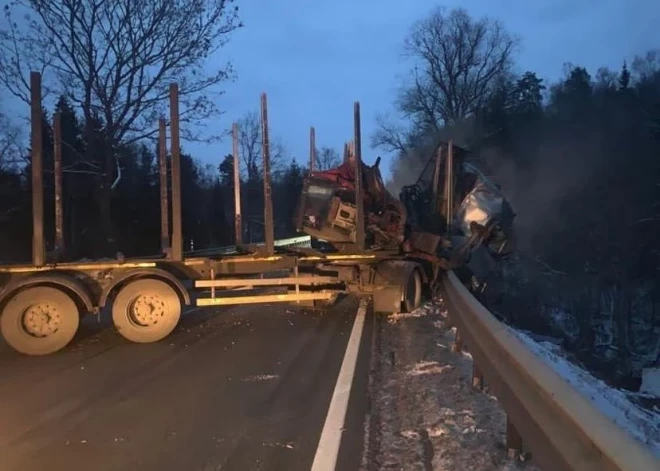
(146,311)
(412,292)
(39,320)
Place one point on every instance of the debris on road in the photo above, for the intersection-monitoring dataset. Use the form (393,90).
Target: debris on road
(255,378)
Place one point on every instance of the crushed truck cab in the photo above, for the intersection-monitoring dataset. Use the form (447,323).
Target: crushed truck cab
(452,216)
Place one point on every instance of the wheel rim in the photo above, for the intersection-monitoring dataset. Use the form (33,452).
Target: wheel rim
(41,319)
(146,309)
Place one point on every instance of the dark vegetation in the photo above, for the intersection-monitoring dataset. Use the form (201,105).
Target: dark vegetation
(580,161)
(207,195)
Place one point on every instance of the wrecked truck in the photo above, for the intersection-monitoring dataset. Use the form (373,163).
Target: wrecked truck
(453,217)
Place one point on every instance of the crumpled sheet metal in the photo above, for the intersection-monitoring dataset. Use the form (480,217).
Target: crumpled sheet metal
(482,204)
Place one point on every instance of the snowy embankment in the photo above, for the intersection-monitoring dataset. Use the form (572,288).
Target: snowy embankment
(425,415)
(643,425)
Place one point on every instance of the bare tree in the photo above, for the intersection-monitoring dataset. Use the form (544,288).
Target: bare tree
(249,141)
(11,151)
(459,61)
(327,158)
(114,59)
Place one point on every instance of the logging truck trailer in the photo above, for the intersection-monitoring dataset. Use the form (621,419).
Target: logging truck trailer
(41,303)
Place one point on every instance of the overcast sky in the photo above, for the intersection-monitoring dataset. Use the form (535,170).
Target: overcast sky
(314,58)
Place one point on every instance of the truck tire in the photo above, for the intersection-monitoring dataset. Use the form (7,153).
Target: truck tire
(412,292)
(39,320)
(146,310)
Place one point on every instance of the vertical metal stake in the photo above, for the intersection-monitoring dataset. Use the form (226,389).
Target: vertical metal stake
(57,170)
(164,203)
(312,149)
(450,186)
(436,181)
(359,194)
(238,223)
(514,442)
(38,246)
(269,230)
(212,287)
(177,234)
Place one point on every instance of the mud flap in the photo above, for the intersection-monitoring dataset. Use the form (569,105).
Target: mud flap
(387,298)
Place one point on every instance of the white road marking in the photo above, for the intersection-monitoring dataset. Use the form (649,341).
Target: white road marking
(328,448)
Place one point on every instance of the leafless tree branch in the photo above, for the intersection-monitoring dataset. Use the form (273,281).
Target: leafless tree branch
(116,58)
(327,158)
(250,148)
(459,61)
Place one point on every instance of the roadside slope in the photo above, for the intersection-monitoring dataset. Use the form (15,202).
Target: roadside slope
(424,413)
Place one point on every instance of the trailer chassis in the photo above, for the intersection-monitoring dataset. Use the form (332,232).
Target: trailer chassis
(41,303)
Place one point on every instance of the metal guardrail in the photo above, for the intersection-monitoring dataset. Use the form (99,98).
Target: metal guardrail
(562,429)
(302,241)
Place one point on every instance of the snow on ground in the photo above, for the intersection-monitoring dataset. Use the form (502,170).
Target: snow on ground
(650,382)
(641,424)
(424,414)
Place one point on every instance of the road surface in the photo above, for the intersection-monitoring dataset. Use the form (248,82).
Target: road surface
(241,388)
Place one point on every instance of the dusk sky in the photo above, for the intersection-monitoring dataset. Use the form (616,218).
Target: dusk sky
(315,58)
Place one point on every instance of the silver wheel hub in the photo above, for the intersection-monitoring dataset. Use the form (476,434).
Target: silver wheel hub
(41,319)
(146,309)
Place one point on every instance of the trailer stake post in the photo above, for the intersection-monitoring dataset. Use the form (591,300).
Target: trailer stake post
(449,186)
(359,196)
(437,197)
(57,172)
(238,223)
(164,203)
(269,230)
(177,235)
(38,246)
(312,149)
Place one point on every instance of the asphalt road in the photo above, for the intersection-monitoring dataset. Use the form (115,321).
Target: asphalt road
(241,388)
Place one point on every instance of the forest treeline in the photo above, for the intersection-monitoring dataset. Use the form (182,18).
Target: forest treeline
(579,158)
(207,194)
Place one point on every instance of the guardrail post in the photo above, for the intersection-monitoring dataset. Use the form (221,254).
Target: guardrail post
(514,442)
(458,342)
(477,377)
(238,222)
(448,322)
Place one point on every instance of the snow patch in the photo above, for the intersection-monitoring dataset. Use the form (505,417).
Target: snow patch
(564,322)
(428,368)
(642,425)
(433,308)
(410,434)
(650,382)
(255,378)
